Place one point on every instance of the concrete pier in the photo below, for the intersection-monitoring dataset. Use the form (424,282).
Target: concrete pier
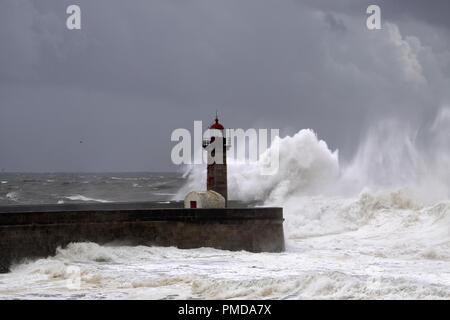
(37,230)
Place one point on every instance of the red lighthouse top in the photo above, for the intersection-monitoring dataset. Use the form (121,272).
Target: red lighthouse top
(217,125)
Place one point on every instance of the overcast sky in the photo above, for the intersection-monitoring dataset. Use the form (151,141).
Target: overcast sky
(139,69)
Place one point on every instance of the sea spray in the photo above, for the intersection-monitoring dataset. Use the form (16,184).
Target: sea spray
(392,179)
(306,166)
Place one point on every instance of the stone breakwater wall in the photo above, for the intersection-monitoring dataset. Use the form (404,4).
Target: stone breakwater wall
(37,231)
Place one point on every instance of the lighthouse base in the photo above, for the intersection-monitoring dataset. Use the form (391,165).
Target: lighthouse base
(37,231)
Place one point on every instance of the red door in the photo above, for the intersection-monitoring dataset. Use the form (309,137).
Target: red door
(193,204)
(210,182)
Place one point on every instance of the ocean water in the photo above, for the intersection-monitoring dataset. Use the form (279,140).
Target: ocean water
(44,188)
(376,227)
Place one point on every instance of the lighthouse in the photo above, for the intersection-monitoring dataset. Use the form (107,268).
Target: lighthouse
(216,195)
(216,177)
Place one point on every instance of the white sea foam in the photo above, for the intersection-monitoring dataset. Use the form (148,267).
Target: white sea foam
(163,194)
(313,268)
(129,179)
(83,198)
(13,195)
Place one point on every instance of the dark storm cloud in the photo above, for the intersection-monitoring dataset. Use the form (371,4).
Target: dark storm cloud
(139,69)
(334,23)
(435,12)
